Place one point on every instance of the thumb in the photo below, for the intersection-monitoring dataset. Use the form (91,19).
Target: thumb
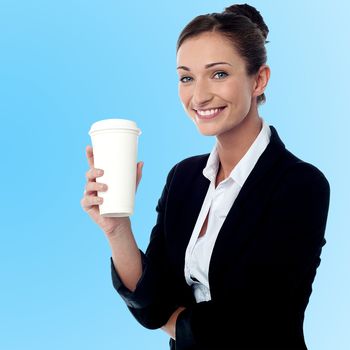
(139,172)
(141,166)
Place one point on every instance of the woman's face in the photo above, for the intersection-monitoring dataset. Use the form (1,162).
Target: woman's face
(216,96)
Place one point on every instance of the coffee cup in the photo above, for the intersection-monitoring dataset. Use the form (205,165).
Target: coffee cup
(115,144)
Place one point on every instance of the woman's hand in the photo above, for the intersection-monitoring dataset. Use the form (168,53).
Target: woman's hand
(170,326)
(90,201)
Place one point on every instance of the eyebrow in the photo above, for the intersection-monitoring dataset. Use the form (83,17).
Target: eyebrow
(209,65)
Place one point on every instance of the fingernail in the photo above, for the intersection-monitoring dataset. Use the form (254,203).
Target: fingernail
(100,172)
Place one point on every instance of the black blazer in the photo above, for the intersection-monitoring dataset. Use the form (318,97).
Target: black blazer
(262,266)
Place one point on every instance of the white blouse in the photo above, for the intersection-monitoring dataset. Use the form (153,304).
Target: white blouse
(217,202)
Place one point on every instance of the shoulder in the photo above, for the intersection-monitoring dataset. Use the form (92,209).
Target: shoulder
(300,172)
(191,164)
(291,168)
(194,161)
(187,169)
(300,182)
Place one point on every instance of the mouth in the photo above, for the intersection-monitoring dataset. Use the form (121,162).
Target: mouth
(209,114)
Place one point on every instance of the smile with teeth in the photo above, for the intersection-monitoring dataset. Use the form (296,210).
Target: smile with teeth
(209,113)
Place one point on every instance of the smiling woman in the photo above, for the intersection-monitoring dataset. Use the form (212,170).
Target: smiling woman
(215,89)
(239,233)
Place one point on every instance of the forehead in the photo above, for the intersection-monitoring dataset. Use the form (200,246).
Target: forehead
(205,48)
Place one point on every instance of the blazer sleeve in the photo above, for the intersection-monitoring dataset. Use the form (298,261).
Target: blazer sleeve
(294,225)
(152,302)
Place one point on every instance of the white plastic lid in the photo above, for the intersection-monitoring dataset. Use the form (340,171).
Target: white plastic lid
(110,124)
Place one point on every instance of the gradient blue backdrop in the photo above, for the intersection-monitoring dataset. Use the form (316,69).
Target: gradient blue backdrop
(65,64)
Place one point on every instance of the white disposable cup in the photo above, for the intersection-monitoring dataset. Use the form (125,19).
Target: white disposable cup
(115,143)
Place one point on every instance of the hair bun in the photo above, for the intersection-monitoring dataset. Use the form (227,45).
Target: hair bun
(252,13)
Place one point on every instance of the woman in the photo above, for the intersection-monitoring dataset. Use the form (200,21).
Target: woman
(234,252)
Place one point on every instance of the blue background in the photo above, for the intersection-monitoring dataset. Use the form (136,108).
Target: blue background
(65,64)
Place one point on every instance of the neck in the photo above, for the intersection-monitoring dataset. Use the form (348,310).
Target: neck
(233,144)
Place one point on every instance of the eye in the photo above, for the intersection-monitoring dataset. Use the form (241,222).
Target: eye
(221,74)
(183,79)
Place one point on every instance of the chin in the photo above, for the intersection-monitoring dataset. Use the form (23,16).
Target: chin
(206,131)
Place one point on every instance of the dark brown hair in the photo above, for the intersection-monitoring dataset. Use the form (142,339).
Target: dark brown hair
(243,26)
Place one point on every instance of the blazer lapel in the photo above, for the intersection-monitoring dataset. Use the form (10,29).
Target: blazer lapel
(236,229)
(191,189)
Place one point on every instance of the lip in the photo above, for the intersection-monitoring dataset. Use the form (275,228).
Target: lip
(201,117)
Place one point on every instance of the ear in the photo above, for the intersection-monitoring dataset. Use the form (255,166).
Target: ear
(261,79)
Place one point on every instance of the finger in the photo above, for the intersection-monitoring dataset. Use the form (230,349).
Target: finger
(94,187)
(139,172)
(93,173)
(90,156)
(88,201)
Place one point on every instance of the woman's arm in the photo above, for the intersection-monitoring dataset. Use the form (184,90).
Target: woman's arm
(126,255)
(153,299)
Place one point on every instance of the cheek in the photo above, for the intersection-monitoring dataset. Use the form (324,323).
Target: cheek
(235,93)
(185,98)
(228,91)
(184,94)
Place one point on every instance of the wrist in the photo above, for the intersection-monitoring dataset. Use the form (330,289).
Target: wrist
(170,326)
(123,226)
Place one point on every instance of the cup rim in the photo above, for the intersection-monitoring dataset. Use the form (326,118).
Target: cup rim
(114,124)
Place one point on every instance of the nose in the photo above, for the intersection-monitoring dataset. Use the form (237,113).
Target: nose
(201,94)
